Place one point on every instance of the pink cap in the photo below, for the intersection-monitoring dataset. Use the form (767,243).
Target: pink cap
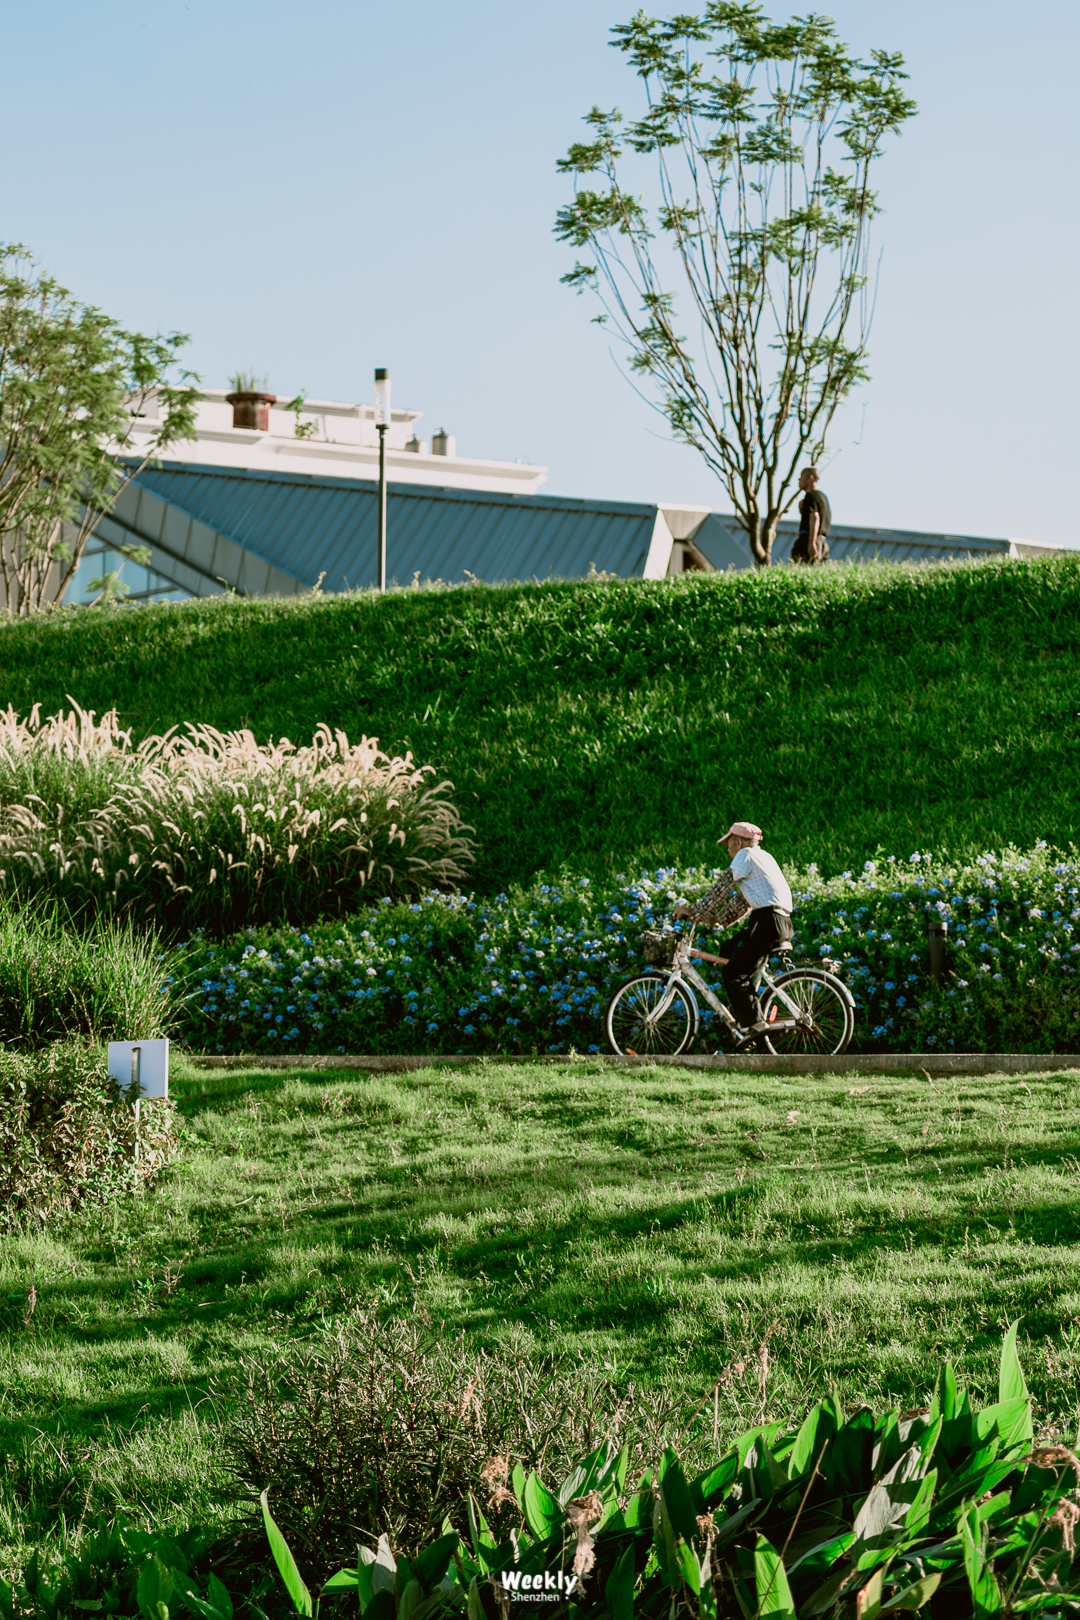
(742,829)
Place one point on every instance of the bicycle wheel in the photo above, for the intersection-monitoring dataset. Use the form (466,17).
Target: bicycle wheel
(829,1020)
(631,1028)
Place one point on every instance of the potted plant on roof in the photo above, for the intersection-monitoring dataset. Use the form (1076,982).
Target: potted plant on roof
(250,402)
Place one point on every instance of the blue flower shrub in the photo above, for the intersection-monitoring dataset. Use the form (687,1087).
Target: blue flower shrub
(532,971)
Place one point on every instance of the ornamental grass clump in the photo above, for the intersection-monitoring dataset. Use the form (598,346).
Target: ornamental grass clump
(101,983)
(212,829)
(68,1135)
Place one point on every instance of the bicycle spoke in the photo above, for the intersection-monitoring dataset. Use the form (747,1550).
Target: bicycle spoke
(823,1027)
(634,1027)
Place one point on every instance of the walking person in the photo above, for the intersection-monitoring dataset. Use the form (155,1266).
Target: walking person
(815,521)
(753,884)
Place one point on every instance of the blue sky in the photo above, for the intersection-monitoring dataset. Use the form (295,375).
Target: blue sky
(314,190)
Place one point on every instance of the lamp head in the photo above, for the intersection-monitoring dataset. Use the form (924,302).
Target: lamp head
(382,397)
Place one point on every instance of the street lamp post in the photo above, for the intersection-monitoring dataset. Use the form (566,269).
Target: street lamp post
(382,422)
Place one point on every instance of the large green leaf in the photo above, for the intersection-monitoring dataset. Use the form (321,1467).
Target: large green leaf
(483,1541)
(918,1514)
(928,1440)
(773,1592)
(887,1442)
(619,1587)
(432,1564)
(410,1600)
(947,1393)
(848,1463)
(344,1580)
(762,1474)
(823,1554)
(714,1485)
(687,1563)
(638,1511)
(381,1566)
(678,1503)
(817,1431)
(986,1596)
(154,1589)
(217,1605)
(868,1599)
(883,1518)
(543,1514)
(381,1607)
(1012,1384)
(589,1472)
(1012,1419)
(286,1563)
(915,1596)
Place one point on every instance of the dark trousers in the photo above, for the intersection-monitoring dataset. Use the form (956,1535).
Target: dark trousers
(800,551)
(747,954)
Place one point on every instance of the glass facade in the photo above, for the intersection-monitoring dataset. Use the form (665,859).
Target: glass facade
(144,584)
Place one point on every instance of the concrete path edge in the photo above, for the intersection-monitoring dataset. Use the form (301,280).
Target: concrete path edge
(850,1063)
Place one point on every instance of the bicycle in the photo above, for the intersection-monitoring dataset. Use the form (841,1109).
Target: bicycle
(808,1009)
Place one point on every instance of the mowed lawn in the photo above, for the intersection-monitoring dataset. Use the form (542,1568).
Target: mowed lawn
(660,1222)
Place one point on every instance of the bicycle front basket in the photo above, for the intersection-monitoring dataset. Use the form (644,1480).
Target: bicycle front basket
(660,949)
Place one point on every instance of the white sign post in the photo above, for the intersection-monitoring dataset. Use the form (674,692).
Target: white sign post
(142,1069)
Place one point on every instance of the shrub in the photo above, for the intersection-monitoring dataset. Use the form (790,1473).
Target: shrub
(532,971)
(57,982)
(384,1427)
(68,1135)
(211,829)
(947,1511)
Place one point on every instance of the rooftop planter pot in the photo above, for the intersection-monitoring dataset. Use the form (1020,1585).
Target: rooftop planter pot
(251,409)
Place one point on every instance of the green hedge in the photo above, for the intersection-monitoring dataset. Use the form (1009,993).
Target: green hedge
(609,727)
(532,971)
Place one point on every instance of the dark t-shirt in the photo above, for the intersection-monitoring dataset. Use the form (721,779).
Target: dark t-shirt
(815,500)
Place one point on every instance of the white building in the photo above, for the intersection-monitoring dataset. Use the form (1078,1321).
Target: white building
(330,439)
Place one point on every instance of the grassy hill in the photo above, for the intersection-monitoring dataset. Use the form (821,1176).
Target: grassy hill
(852,711)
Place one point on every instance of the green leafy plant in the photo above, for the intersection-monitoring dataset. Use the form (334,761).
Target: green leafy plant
(68,1135)
(73,384)
(110,587)
(301,429)
(950,1511)
(247,382)
(124,1572)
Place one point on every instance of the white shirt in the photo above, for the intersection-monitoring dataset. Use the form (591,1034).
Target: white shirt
(759,880)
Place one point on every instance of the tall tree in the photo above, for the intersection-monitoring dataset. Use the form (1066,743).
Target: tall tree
(73,383)
(760,217)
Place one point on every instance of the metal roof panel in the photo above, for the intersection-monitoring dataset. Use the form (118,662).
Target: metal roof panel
(309,526)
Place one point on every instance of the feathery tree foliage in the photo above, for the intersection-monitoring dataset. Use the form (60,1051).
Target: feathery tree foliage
(763,152)
(73,384)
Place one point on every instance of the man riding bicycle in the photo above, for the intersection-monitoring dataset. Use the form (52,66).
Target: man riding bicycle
(753,886)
